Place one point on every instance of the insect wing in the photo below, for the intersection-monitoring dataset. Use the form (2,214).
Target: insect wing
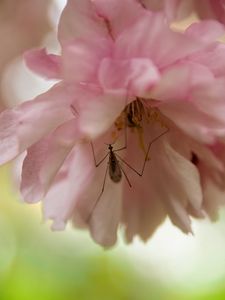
(115,172)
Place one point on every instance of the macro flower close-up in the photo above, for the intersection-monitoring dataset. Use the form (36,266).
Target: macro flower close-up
(144,101)
(112,149)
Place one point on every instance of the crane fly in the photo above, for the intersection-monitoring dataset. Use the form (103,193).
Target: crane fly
(114,167)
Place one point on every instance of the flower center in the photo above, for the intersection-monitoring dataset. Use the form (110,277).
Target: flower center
(136,116)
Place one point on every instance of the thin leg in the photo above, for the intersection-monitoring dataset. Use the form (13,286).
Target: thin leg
(103,188)
(149,147)
(129,166)
(124,173)
(93,152)
(146,156)
(125,129)
(125,139)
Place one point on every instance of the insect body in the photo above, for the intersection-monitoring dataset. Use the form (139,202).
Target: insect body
(115,172)
(114,169)
(115,161)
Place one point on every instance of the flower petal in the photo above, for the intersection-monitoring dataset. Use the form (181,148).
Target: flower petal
(137,75)
(187,76)
(204,112)
(46,65)
(67,189)
(113,12)
(24,125)
(81,59)
(45,158)
(213,58)
(186,187)
(152,33)
(80,20)
(171,177)
(105,218)
(213,198)
(98,110)
(207,31)
(99,207)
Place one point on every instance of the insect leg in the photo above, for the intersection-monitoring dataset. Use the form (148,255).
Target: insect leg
(125,129)
(96,202)
(146,156)
(129,166)
(125,138)
(124,173)
(149,147)
(93,152)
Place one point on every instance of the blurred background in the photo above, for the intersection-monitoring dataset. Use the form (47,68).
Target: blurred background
(36,263)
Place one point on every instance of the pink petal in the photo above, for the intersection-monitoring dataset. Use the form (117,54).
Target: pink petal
(81,59)
(213,198)
(143,212)
(204,112)
(46,65)
(136,75)
(151,37)
(105,218)
(65,192)
(166,90)
(97,210)
(44,159)
(98,110)
(169,178)
(213,58)
(24,125)
(57,205)
(80,20)
(207,31)
(210,99)
(181,186)
(200,126)
(187,76)
(113,12)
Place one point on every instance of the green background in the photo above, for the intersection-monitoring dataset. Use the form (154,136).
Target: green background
(36,263)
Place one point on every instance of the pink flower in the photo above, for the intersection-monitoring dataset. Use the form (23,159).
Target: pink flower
(122,77)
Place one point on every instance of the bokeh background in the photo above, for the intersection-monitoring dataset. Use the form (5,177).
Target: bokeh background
(36,263)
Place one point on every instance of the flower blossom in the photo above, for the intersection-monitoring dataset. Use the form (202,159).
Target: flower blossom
(128,83)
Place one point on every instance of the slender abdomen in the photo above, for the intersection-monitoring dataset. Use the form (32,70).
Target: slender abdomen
(114,168)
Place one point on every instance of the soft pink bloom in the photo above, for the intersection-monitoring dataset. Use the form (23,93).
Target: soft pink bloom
(178,9)
(107,63)
(23,25)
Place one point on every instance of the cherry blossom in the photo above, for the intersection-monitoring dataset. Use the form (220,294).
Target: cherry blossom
(129,83)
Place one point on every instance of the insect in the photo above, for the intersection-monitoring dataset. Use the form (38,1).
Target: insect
(114,167)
